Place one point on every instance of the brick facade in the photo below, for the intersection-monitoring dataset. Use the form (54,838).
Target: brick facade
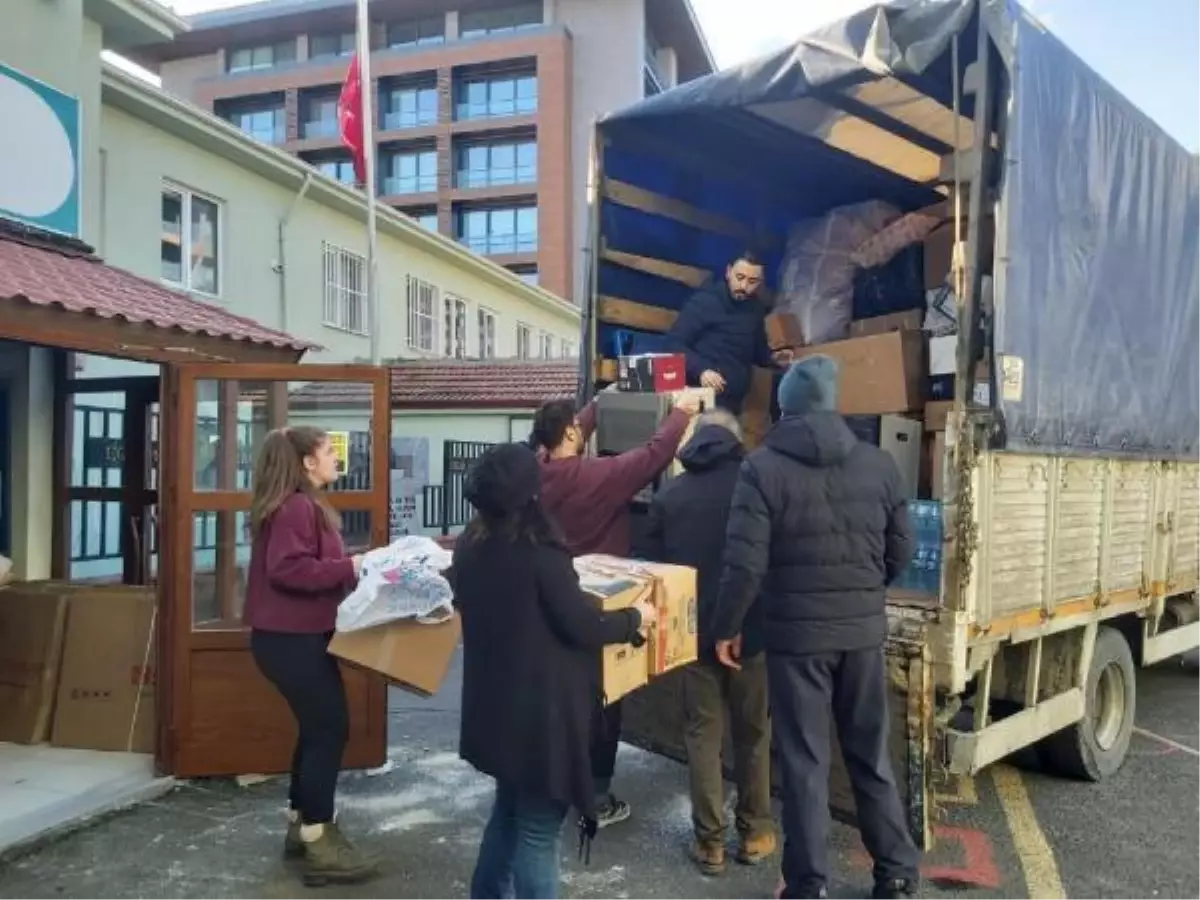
(548,50)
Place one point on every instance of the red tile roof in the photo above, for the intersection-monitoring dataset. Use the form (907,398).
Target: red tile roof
(48,271)
(456,384)
(494,384)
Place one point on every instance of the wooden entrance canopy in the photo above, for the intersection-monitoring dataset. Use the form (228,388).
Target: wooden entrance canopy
(55,292)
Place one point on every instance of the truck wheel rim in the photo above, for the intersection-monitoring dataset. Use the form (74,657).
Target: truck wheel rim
(1109,712)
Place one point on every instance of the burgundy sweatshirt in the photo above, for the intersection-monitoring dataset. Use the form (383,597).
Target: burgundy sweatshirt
(589,496)
(299,571)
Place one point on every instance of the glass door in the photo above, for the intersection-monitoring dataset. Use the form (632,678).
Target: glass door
(219,716)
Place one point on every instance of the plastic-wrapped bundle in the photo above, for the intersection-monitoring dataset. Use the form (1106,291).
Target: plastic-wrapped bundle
(400,581)
(817,275)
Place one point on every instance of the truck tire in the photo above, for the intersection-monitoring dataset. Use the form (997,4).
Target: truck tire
(1095,748)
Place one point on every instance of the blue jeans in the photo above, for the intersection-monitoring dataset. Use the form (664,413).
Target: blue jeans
(519,855)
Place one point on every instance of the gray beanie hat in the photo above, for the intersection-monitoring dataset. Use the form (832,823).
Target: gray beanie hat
(809,385)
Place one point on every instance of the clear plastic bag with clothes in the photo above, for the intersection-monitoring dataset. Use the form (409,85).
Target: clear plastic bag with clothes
(816,279)
(403,580)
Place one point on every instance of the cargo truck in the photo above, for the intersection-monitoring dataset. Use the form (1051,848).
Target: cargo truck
(1070,513)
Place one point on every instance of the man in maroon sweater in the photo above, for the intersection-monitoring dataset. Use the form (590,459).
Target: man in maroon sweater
(589,498)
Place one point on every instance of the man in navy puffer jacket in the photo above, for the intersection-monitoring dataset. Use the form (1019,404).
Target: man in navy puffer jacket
(720,331)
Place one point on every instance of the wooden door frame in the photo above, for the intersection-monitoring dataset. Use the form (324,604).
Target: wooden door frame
(179,502)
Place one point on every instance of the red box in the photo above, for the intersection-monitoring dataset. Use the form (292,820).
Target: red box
(652,373)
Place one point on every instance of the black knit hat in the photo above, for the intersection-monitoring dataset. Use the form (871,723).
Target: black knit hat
(504,480)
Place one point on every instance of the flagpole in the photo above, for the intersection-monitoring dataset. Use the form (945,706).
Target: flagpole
(368,119)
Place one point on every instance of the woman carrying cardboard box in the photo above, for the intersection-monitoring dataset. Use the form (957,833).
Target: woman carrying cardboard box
(530,638)
(299,573)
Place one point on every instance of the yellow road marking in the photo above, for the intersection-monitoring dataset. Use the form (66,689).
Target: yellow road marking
(1166,741)
(1033,850)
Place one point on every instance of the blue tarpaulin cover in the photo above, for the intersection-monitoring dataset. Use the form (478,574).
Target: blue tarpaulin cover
(1097,257)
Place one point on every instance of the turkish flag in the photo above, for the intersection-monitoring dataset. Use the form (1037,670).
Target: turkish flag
(350,119)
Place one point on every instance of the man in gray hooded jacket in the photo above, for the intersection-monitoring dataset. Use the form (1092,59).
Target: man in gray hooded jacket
(817,529)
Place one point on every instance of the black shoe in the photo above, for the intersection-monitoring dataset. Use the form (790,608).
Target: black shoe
(897,888)
(612,812)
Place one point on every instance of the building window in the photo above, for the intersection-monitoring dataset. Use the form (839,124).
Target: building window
(409,106)
(454,327)
(264,56)
(190,245)
(319,115)
(506,20)
(339,168)
(487,333)
(323,46)
(427,219)
(546,346)
(496,163)
(417,32)
(524,341)
(409,172)
(567,349)
(263,118)
(499,230)
(345,278)
(528,274)
(421,297)
(495,96)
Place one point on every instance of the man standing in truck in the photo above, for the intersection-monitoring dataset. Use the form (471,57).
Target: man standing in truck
(589,498)
(818,528)
(720,332)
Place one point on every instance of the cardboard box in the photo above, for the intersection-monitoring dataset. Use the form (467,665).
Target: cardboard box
(674,640)
(880,373)
(909,320)
(32,625)
(900,436)
(936,412)
(652,373)
(411,655)
(624,668)
(106,686)
(939,250)
(783,331)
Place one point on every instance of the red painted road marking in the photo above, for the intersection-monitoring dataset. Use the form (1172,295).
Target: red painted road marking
(977,868)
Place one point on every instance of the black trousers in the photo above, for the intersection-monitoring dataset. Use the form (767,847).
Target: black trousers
(311,682)
(803,691)
(606,735)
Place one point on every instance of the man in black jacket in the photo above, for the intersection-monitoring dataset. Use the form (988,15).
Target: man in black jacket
(687,527)
(720,332)
(817,530)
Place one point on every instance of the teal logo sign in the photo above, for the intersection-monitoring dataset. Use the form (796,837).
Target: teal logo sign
(39,154)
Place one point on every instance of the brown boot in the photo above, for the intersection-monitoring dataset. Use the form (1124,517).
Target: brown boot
(293,847)
(754,849)
(331,859)
(709,857)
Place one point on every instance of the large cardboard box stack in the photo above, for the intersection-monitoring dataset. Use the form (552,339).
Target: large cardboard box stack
(413,655)
(106,685)
(32,625)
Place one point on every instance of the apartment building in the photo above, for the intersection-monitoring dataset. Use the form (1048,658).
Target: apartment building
(484,109)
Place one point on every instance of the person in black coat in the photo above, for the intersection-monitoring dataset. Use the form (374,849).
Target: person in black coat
(687,527)
(720,331)
(817,530)
(530,641)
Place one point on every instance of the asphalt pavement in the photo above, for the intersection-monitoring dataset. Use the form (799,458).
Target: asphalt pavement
(1009,833)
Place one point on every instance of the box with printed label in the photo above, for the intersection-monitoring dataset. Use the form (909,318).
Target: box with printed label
(674,639)
(31,639)
(624,667)
(652,373)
